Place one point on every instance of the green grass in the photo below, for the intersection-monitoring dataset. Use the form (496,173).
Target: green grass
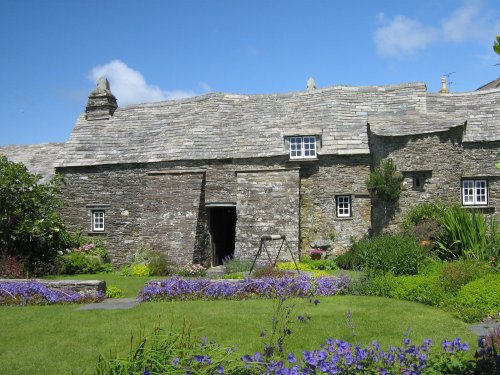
(61,339)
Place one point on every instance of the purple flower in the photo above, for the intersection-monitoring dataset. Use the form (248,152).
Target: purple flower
(175,361)
(291,358)
(220,369)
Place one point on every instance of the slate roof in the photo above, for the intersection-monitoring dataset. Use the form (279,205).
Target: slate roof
(481,110)
(38,158)
(490,85)
(219,125)
(411,123)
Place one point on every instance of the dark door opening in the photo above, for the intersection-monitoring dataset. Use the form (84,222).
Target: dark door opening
(223,232)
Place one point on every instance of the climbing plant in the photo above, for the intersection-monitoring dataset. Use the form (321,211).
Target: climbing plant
(385,182)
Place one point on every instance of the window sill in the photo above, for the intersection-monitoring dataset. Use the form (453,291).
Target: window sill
(342,218)
(103,233)
(482,209)
(302,160)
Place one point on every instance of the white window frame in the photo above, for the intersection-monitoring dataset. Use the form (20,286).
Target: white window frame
(303,147)
(98,220)
(475,192)
(344,205)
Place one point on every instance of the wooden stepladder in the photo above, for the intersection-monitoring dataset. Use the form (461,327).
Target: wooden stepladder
(263,247)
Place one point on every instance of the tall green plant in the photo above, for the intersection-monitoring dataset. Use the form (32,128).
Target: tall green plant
(385,182)
(467,233)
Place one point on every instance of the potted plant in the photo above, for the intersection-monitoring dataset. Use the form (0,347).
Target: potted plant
(316,254)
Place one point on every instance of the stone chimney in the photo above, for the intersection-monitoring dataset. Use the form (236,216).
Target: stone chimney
(444,89)
(102,103)
(311,85)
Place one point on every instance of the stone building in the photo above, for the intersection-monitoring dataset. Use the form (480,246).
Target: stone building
(203,178)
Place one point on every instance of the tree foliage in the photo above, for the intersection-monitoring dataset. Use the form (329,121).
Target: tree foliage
(496,44)
(385,182)
(31,227)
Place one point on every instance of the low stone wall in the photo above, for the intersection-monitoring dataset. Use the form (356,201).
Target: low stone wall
(88,287)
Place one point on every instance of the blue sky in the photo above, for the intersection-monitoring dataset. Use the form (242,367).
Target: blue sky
(52,52)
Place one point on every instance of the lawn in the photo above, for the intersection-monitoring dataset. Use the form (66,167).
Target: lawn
(61,339)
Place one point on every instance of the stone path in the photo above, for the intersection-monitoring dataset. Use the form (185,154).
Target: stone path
(482,329)
(111,304)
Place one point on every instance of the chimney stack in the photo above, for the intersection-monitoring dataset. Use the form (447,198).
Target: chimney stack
(444,89)
(311,85)
(102,103)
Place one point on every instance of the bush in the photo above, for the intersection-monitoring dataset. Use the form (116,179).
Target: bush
(290,266)
(395,253)
(456,274)
(479,298)
(113,292)
(322,264)
(234,275)
(385,182)
(145,259)
(80,263)
(31,227)
(232,265)
(136,270)
(269,271)
(11,267)
(350,260)
(193,270)
(418,288)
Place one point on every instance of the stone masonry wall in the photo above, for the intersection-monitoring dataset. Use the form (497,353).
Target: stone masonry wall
(173,219)
(320,183)
(439,161)
(267,204)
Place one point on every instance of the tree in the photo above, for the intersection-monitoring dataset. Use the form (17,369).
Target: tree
(31,227)
(496,44)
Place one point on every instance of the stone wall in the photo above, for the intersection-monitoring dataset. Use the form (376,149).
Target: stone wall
(267,204)
(320,183)
(438,161)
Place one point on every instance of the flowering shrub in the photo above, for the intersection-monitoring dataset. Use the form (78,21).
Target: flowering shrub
(178,288)
(193,270)
(341,357)
(85,258)
(33,292)
(171,353)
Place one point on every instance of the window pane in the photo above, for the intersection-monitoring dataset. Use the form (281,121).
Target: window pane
(296,147)
(468,192)
(344,206)
(98,220)
(309,147)
(481,192)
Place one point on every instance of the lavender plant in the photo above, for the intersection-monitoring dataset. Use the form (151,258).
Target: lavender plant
(33,292)
(178,288)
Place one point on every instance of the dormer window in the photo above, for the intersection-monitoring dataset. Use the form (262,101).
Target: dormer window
(303,147)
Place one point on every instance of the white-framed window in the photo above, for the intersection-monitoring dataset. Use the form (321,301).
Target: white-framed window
(303,147)
(343,205)
(98,220)
(474,192)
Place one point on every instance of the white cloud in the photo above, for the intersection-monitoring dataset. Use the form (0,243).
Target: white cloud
(403,37)
(467,22)
(129,85)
